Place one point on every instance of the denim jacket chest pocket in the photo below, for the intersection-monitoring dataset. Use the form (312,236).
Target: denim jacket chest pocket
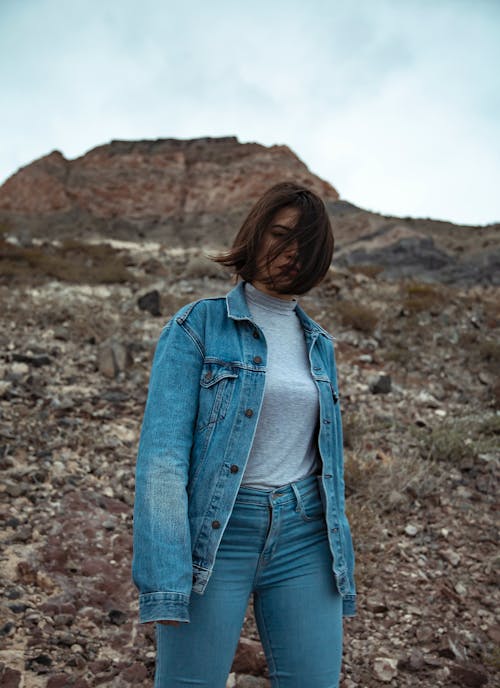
(216,390)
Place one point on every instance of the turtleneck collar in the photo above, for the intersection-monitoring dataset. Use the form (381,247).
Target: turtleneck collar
(270,303)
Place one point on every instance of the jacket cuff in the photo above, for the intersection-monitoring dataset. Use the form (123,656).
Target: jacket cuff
(162,606)
(349,605)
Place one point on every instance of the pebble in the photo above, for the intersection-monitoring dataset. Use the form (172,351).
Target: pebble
(385,668)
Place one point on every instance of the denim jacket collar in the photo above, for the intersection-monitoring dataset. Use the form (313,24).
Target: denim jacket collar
(237,309)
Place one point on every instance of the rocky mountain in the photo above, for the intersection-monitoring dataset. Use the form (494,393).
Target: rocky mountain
(196,192)
(179,192)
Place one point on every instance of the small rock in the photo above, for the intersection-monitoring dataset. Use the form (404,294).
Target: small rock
(411,530)
(9,678)
(117,617)
(468,676)
(416,660)
(248,681)
(5,385)
(451,556)
(249,657)
(17,370)
(385,668)
(150,302)
(135,673)
(63,619)
(40,664)
(431,661)
(486,378)
(59,681)
(380,384)
(494,633)
(420,422)
(7,629)
(18,608)
(15,489)
(376,606)
(113,358)
(427,399)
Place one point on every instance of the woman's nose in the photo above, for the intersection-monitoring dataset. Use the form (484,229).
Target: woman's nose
(291,251)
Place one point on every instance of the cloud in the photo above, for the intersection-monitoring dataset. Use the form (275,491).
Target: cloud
(394,103)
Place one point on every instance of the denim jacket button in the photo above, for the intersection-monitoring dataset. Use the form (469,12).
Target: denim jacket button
(234,468)
(257,359)
(249,413)
(215,524)
(255,334)
(208,375)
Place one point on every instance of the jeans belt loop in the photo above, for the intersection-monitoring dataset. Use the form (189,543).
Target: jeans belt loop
(297,495)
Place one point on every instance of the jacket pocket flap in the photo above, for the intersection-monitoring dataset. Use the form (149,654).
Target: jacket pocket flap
(212,373)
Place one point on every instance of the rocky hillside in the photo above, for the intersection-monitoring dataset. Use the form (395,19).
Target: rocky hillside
(193,192)
(418,373)
(96,255)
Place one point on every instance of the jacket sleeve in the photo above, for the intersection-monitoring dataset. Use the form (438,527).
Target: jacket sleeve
(161,562)
(349,601)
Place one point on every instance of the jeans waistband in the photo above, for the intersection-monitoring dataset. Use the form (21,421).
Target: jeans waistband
(279,495)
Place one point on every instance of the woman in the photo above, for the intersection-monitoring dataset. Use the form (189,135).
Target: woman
(239,478)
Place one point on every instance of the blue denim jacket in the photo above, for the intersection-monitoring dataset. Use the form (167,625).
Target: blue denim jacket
(204,399)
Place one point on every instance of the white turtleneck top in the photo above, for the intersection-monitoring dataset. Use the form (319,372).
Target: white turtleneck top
(284,447)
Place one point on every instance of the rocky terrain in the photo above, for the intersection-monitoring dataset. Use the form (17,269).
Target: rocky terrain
(418,352)
(418,370)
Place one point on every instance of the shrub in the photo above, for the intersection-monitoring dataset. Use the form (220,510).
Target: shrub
(423,297)
(456,441)
(357,316)
(489,351)
(368,269)
(72,261)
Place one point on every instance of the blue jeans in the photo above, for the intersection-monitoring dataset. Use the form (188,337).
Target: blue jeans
(275,545)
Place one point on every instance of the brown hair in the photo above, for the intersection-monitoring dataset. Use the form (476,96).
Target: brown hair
(312,231)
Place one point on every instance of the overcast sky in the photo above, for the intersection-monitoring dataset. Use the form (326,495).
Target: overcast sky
(394,102)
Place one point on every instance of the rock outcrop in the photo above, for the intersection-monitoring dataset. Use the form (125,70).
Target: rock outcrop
(172,190)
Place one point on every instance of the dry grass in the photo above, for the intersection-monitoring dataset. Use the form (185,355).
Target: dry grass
(355,315)
(72,261)
(399,354)
(368,269)
(380,489)
(456,441)
(489,350)
(492,313)
(420,296)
